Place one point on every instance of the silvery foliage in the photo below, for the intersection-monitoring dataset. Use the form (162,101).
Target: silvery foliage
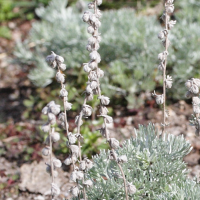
(61,29)
(155,167)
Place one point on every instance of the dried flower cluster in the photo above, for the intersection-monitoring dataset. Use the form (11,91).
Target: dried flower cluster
(53,111)
(93,85)
(162,57)
(193,86)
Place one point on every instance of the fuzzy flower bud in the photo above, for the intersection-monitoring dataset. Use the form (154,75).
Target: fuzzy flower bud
(63,93)
(73,176)
(170,9)
(99,2)
(45,110)
(55,189)
(86,16)
(88,183)
(90,30)
(89,48)
(171,24)
(59,59)
(57,163)
(60,77)
(109,119)
(100,73)
(92,76)
(104,100)
(55,136)
(103,110)
(122,159)
(62,67)
(46,127)
(131,188)
(159,98)
(55,109)
(82,165)
(68,106)
(114,143)
(86,67)
(87,110)
(72,138)
(92,65)
(194,89)
(168,81)
(46,151)
(91,5)
(93,85)
(68,161)
(52,118)
(162,56)
(90,97)
(103,132)
(74,191)
(92,40)
(79,175)
(74,149)
(51,58)
(88,89)
(89,164)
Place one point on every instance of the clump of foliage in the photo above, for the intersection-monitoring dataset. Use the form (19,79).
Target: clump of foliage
(58,23)
(155,166)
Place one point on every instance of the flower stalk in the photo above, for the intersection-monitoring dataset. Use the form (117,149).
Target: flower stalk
(162,57)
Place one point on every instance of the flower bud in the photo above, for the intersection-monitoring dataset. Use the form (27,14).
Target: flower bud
(55,191)
(194,89)
(52,118)
(59,59)
(46,127)
(94,85)
(103,132)
(63,93)
(92,40)
(170,9)
(87,110)
(90,97)
(122,159)
(92,76)
(93,18)
(93,65)
(88,89)
(161,66)
(96,46)
(62,67)
(68,161)
(57,163)
(196,81)
(104,100)
(171,24)
(51,58)
(73,176)
(68,106)
(74,149)
(160,99)
(46,151)
(114,143)
(109,119)
(168,81)
(131,188)
(82,165)
(91,5)
(51,103)
(72,138)
(88,183)
(100,73)
(103,110)
(79,175)
(89,47)
(89,164)
(61,117)
(60,77)
(55,109)
(74,191)
(86,16)
(55,136)
(99,2)
(45,110)
(86,67)
(93,55)
(90,30)
(99,14)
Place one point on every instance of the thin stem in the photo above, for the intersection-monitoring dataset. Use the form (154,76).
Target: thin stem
(51,157)
(164,75)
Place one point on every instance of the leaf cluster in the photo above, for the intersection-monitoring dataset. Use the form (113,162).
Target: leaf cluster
(155,166)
